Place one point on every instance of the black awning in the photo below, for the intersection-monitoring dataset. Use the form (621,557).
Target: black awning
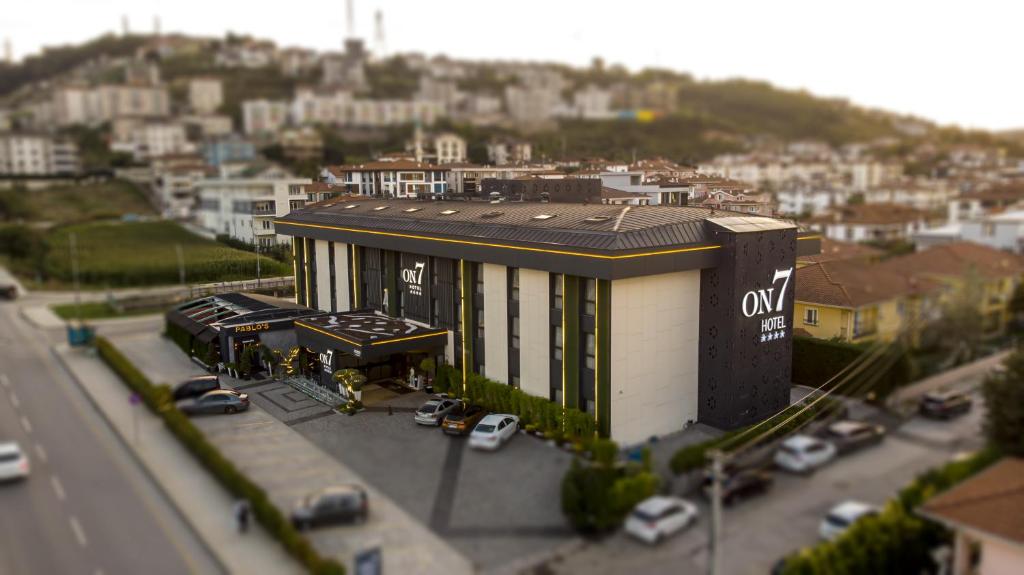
(366,334)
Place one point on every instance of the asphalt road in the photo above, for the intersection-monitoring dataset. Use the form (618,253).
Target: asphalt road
(87,507)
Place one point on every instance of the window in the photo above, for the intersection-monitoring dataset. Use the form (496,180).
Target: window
(513,284)
(589,340)
(514,329)
(590,296)
(478,279)
(411,210)
(380,208)
(556,290)
(479,323)
(811,316)
(449,212)
(542,217)
(556,339)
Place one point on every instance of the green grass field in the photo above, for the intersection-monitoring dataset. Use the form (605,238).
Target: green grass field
(86,202)
(99,310)
(118,254)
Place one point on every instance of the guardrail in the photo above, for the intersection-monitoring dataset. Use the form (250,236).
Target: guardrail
(317,392)
(244,285)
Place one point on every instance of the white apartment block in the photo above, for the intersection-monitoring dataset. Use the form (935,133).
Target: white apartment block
(147,140)
(390,179)
(245,209)
(205,95)
(593,103)
(933,195)
(93,106)
(263,116)
(502,152)
(37,155)
(450,148)
(810,199)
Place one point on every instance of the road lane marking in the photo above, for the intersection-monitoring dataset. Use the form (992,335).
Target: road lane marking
(26,424)
(15,401)
(79,532)
(41,453)
(58,488)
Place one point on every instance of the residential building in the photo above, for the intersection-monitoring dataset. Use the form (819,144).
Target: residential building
(297,61)
(450,148)
(302,144)
(533,105)
(739,197)
(834,251)
(984,513)
(94,106)
(244,208)
(228,149)
(208,125)
(390,179)
(870,222)
(28,154)
(977,204)
(347,69)
(205,95)
(174,183)
(263,117)
(573,298)
(797,198)
(593,103)
(501,152)
(536,188)
(466,179)
(149,139)
(922,195)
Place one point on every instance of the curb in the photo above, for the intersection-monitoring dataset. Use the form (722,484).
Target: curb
(126,445)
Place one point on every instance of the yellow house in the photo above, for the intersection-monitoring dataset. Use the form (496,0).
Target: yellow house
(855,302)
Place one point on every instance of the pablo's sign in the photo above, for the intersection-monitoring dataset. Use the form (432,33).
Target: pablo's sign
(413,278)
(768,302)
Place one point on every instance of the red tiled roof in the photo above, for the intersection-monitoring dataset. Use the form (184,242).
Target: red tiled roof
(991,502)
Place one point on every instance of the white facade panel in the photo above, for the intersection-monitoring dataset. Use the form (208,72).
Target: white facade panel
(655,326)
(496,322)
(323,276)
(534,332)
(341,276)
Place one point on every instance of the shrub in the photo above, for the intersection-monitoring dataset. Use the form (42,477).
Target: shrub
(596,497)
(815,361)
(158,399)
(441,381)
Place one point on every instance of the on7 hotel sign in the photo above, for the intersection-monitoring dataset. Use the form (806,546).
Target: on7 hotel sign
(767,302)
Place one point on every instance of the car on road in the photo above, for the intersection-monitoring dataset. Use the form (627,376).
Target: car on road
(944,404)
(462,420)
(195,386)
(741,484)
(658,517)
(804,454)
(434,410)
(338,504)
(216,401)
(842,516)
(13,463)
(493,431)
(849,435)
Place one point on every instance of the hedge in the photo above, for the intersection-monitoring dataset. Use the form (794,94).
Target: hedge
(158,399)
(815,361)
(695,456)
(895,541)
(535,413)
(597,496)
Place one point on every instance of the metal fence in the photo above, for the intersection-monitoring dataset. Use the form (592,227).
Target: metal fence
(281,283)
(317,392)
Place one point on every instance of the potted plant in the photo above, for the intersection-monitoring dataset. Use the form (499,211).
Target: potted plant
(351,381)
(428,366)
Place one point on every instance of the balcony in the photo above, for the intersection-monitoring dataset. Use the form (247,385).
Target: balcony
(264,211)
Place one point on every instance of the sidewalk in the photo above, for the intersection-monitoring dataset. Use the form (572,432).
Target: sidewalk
(963,378)
(201,500)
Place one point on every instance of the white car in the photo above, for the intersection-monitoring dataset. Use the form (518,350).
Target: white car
(842,516)
(660,516)
(13,463)
(803,454)
(493,430)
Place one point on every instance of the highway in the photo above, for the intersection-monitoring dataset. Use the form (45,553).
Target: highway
(88,508)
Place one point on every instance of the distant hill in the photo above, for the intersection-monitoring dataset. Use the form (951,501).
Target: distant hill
(61,59)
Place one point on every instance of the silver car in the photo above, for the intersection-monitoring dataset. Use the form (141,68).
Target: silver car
(433,411)
(13,463)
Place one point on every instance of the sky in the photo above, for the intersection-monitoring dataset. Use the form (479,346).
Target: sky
(952,62)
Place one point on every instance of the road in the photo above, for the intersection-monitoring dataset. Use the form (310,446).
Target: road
(761,530)
(87,507)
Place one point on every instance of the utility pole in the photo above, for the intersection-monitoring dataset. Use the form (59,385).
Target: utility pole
(256,243)
(715,551)
(73,245)
(181,263)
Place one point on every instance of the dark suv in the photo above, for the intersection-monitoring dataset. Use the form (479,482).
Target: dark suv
(339,504)
(741,484)
(944,404)
(196,386)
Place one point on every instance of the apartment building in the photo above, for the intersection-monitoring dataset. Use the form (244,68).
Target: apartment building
(27,154)
(501,152)
(94,106)
(390,179)
(205,95)
(263,117)
(174,183)
(244,208)
(870,222)
(149,139)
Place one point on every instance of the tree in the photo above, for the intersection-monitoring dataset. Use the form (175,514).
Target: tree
(961,327)
(1004,398)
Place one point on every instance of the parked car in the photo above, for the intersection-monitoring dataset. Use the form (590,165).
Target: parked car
(741,484)
(660,516)
(8,291)
(944,404)
(850,435)
(338,504)
(13,463)
(493,431)
(216,401)
(462,420)
(434,411)
(195,386)
(842,516)
(804,454)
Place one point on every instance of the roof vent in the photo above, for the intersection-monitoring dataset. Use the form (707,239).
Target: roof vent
(493,214)
(543,217)
(411,210)
(350,206)
(380,208)
(449,212)
(597,219)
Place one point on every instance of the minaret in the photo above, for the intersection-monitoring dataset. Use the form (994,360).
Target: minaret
(156,25)
(8,51)
(350,18)
(124,25)
(381,44)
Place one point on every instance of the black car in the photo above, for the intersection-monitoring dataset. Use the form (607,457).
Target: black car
(944,404)
(849,436)
(339,504)
(216,401)
(196,386)
(741,484)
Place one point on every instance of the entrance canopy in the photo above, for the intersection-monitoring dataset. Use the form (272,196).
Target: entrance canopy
(366,334)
